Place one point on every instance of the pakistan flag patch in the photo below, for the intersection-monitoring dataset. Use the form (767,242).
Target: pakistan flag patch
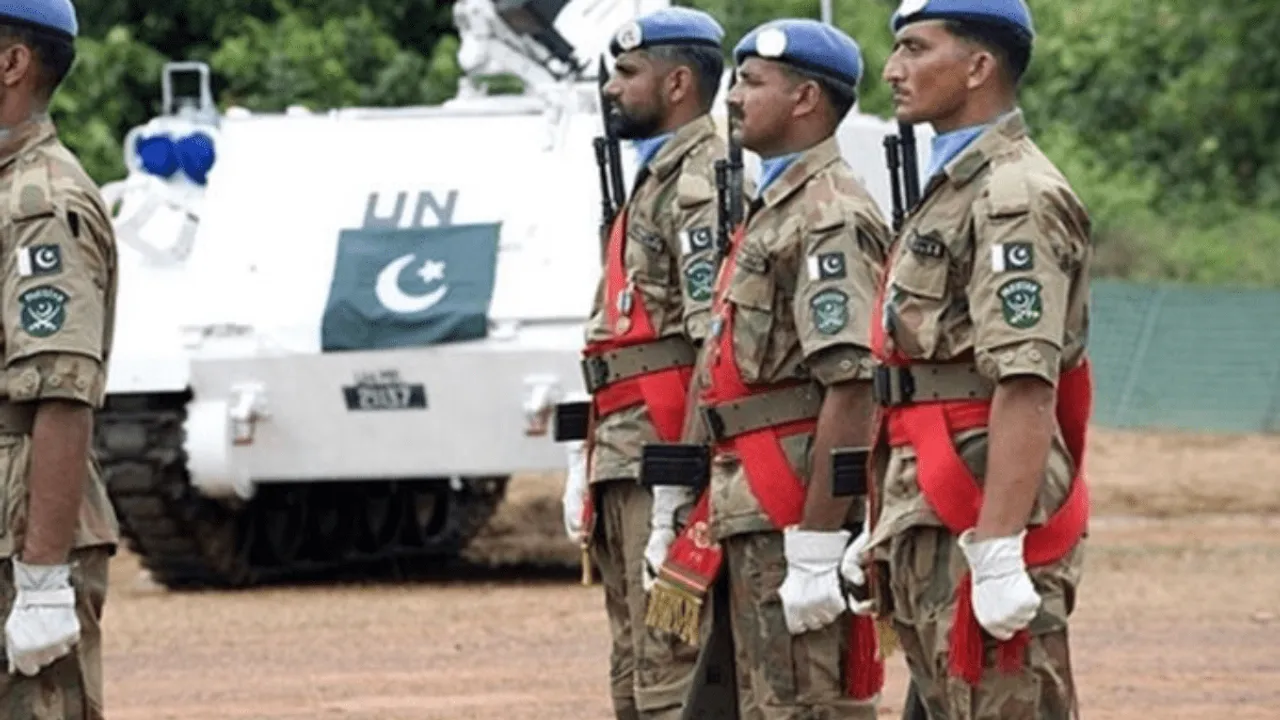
(44,310)
(1020,303)
(830,311)
(698,279)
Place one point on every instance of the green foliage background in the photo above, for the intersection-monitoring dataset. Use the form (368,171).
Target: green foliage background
(1161,112)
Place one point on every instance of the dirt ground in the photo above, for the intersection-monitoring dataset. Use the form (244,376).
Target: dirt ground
(1179,615)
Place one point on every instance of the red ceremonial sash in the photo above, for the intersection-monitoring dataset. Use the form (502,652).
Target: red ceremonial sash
(662,392)
(693,562)
(956,498)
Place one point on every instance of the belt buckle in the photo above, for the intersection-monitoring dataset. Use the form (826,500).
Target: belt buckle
(892,385)
(595,372)
(713,422)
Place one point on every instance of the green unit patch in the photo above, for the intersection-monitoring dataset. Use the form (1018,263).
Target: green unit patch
(830,311)
(698,280)
(1020,302)
(44,310)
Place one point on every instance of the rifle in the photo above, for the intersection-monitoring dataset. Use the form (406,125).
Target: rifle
(904,175)
(728,187)
(613,190)
(904,186)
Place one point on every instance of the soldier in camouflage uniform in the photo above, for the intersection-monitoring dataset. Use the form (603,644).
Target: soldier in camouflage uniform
(649,316)
(982,337)
(59,286)
(784,380)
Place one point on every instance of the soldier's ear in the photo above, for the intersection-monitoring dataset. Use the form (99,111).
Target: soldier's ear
(16,63)
(679,84)
(808,98)
(983,68)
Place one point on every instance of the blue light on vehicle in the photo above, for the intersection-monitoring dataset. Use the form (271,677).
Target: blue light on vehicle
(157,154)
(161,156)
(196,155)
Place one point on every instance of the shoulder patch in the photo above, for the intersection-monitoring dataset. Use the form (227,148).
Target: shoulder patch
(1020,302)
(39,260)
(32,191)
(827,266)
(700,280)
(44,310)
(696,239)
(1007,191)
(830,311)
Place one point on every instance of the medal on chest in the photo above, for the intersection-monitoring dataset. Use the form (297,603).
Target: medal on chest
(624,301)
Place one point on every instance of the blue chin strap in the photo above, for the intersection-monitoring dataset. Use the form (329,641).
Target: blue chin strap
(162,156)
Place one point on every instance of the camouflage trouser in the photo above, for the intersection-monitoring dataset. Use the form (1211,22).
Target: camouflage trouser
(780,676)
(924,565)
(649,671)
(71,687)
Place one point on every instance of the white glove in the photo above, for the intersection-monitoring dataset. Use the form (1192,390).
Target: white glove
(810,594)
(667,499)
(575,489)
(1004,600)
(42,626)
(851,571)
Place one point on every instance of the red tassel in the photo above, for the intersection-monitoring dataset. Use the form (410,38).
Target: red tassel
(966,636)
(865,674)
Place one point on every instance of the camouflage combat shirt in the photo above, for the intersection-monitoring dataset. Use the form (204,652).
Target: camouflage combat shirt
(58,308)
(992,268)
(669,250)
(802,289)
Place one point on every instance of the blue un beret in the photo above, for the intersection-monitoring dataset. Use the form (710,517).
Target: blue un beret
(53,16)
(668,26)
(817,47)
(1013,15)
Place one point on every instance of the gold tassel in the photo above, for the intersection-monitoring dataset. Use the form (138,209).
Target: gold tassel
(674,611)
(586,566)
(887,637)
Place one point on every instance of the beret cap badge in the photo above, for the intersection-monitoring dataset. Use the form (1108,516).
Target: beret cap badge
(911,7)
(629,36)
(771,43)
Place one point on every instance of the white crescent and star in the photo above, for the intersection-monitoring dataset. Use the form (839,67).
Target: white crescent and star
(394,298)
(1019,255)
(831,264)
(46,257)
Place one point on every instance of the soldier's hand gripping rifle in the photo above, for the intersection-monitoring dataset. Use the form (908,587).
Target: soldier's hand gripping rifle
(608,158)
(728,186)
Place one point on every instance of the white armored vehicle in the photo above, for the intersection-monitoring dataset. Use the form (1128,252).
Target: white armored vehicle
(340,333)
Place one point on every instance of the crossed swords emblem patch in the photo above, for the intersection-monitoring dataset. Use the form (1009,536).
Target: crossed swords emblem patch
(44,310)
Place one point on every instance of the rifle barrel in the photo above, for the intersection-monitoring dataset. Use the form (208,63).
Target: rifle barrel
(910,170)
(893,161)
(607,210)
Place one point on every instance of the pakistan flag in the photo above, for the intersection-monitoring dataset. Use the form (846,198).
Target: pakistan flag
(396,288)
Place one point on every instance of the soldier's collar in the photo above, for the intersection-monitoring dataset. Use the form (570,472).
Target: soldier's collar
(810,162)
(964,167)
(686,137)
(25,136)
